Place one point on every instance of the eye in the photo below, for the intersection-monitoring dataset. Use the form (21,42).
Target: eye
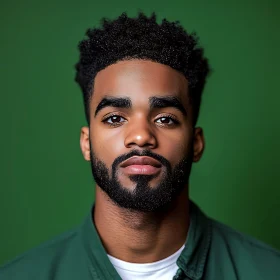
(114,120)
(166,120)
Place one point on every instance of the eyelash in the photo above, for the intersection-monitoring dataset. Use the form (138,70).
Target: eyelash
(171,117)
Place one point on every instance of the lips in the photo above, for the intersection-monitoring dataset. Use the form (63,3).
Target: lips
(141,161)
(141,165)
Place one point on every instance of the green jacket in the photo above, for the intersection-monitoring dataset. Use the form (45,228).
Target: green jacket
(213,251)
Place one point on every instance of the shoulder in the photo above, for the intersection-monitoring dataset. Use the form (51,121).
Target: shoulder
(242,241)
(41,259)
(246,253)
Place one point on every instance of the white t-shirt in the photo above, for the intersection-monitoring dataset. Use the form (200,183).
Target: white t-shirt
(164,269)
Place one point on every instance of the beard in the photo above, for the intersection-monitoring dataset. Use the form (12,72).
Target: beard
(143,197)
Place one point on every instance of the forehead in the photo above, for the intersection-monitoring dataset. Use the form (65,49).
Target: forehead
(139,80)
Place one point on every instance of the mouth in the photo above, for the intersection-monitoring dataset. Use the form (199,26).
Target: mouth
(141,165)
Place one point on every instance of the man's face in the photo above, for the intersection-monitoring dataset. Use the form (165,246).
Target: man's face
(141,141)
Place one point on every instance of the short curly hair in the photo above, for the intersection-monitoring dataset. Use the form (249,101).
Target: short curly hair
(141,38)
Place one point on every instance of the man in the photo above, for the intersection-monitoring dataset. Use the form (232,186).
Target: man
(142,84)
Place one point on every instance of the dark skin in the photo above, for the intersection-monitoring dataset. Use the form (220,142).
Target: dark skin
(130,235)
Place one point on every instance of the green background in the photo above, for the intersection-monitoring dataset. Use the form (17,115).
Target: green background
(47,187)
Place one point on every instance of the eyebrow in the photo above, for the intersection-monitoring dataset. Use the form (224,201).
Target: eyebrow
(118,102)
(155,102)
(167,101)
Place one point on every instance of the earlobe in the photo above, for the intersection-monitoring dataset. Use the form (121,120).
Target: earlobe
(198,144)
(84,142)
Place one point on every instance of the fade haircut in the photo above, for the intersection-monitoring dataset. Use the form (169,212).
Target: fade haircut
(142,37)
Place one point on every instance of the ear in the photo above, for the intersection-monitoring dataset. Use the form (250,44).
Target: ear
(84,142)
(198,144)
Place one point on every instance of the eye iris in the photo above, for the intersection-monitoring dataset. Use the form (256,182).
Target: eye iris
(116,118)
(164,120)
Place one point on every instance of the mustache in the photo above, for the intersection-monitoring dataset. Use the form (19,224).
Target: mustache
(147,153)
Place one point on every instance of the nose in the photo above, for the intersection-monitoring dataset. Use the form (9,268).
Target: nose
(140,134)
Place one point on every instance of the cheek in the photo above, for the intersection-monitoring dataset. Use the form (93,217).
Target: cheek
(177,145)
(106,144)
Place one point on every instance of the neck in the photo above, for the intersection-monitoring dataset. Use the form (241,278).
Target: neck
(141,237)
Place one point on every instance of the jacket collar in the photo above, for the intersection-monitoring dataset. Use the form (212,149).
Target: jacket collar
(193,257)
